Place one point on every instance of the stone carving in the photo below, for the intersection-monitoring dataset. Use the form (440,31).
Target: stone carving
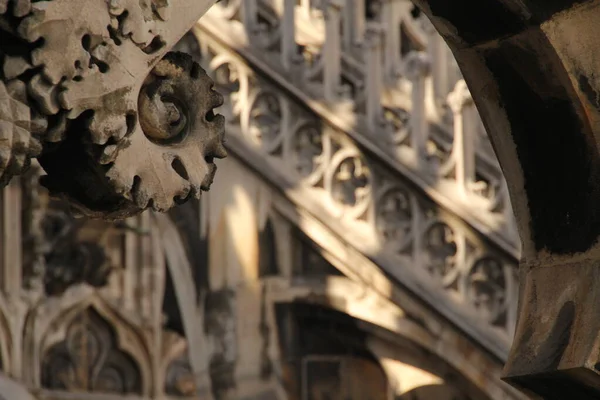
(311,150)
(69,260)
(349,180)
(17,145)
(132,304)
(394,217)
(265,120)
(441,251)
(180,137)
(419,73)
(56,257)
(399,120)
(137,19)
(355,186)
(487,288)
(88,359)
(20,8)
(169,153)
(180,378)
(68,42)
(138,128)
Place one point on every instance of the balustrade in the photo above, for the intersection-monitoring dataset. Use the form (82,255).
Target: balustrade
(358,196)
(385,60)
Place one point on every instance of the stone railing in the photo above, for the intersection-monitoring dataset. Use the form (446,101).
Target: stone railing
(380,72)
(323,156)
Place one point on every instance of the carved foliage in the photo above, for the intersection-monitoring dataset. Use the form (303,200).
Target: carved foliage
(137,18)
(167,156)
(65,52)
(88,359)
(172,156)
(85,77)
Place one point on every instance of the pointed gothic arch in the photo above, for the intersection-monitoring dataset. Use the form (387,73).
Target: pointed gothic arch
(121,342)
(388,321)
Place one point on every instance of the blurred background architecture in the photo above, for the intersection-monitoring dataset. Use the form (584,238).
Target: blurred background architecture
(357,244)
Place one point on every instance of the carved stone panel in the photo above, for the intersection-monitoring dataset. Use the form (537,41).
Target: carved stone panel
(89,359)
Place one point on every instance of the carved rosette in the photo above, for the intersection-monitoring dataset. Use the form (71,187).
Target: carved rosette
(135,123)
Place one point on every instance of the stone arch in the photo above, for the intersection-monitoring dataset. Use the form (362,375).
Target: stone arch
(371,309)
(324,355)
(531,68)
(51,325)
